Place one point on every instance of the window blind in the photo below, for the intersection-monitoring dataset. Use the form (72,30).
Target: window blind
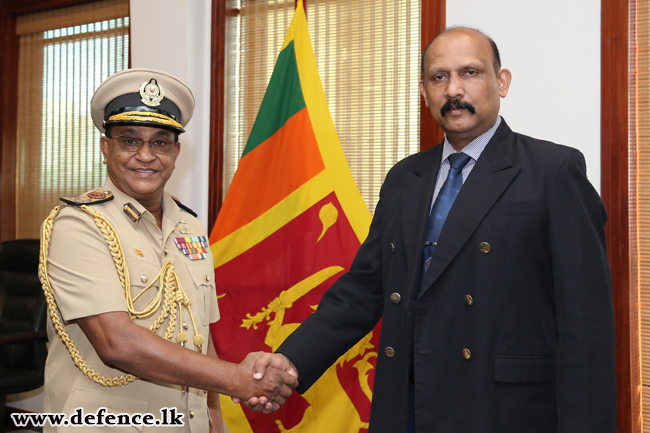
(59,69)
(368,55)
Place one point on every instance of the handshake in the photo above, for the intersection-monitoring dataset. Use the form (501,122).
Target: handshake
(274,377)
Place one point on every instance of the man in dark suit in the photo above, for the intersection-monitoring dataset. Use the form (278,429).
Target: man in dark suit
(503,321)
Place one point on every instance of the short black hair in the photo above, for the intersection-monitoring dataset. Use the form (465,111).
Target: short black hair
(496,57)
(108,129)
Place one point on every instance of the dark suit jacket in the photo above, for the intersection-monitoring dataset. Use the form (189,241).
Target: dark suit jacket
(540,328)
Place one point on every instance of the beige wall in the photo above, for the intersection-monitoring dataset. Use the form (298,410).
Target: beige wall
(552,48)
(178,41)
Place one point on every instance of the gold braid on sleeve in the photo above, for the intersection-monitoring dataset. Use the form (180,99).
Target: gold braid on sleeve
(171,296)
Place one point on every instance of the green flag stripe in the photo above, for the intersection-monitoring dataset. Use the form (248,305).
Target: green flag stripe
(282,100)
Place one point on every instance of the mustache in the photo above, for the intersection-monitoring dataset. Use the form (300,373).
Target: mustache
(456,103)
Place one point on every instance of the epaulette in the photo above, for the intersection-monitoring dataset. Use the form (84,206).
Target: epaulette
(92,197)
(185,208)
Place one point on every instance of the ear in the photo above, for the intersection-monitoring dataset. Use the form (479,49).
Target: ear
(103,143)
(177,150)
(504,77)
(424,94)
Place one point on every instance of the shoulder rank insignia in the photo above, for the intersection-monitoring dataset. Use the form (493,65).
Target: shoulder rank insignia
(185,208)
(92,197)
(195,247)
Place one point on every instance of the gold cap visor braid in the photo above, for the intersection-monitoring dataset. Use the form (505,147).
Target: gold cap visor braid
(144,117)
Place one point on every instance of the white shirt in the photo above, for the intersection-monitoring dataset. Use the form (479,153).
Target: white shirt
(473,150)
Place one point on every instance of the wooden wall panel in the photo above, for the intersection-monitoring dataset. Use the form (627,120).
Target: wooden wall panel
(433,22)
(614,191)
(21,7)
(8,122)
(217,100)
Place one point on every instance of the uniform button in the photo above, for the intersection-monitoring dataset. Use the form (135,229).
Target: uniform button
(392,247)
(467,354)
(207,278)
(469,300)
(185,326)
(395,298)
(484,247)
(166,251)
(191,414)
(144,278)
(389,351)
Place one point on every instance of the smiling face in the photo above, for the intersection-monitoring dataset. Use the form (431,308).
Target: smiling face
(460,85)
(141,174)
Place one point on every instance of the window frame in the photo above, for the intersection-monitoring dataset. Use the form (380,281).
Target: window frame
(615,194)
(9,49)
(433,22)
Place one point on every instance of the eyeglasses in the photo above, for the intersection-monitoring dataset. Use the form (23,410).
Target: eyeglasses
(159,146)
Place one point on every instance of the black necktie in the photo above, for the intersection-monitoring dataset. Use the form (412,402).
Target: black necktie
(442,205)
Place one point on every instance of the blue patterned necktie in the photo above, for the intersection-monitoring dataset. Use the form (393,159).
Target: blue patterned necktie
(442,205)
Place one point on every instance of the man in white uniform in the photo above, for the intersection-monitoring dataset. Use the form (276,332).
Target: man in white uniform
(129,259)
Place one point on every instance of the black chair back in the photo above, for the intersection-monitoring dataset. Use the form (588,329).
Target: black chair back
(22,317)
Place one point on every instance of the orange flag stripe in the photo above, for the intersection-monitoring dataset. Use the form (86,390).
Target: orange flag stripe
(273,170)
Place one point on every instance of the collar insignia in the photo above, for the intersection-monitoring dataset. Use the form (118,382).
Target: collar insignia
(195,247)
(152,93)
(92,197)
(132,212)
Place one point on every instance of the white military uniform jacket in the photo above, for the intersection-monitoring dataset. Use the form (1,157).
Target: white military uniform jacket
(85,283)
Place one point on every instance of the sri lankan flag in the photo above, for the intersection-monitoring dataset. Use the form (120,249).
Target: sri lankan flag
(290,225)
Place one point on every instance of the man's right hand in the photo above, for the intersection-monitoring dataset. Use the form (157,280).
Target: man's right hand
(265,364)
(270,388)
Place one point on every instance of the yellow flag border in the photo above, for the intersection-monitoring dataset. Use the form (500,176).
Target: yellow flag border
(336,164)
(233,416)
(292,206)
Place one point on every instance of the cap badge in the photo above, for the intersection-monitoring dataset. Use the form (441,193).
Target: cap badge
(152,93)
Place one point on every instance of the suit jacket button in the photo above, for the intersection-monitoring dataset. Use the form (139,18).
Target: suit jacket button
(392,247)
(389,351)
(467,354)
(484,247)
(469,300)
(395,298)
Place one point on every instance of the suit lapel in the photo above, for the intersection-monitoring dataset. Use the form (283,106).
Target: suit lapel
(415,201)
(489,178)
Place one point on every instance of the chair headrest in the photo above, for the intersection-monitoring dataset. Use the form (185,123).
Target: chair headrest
(20,255)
